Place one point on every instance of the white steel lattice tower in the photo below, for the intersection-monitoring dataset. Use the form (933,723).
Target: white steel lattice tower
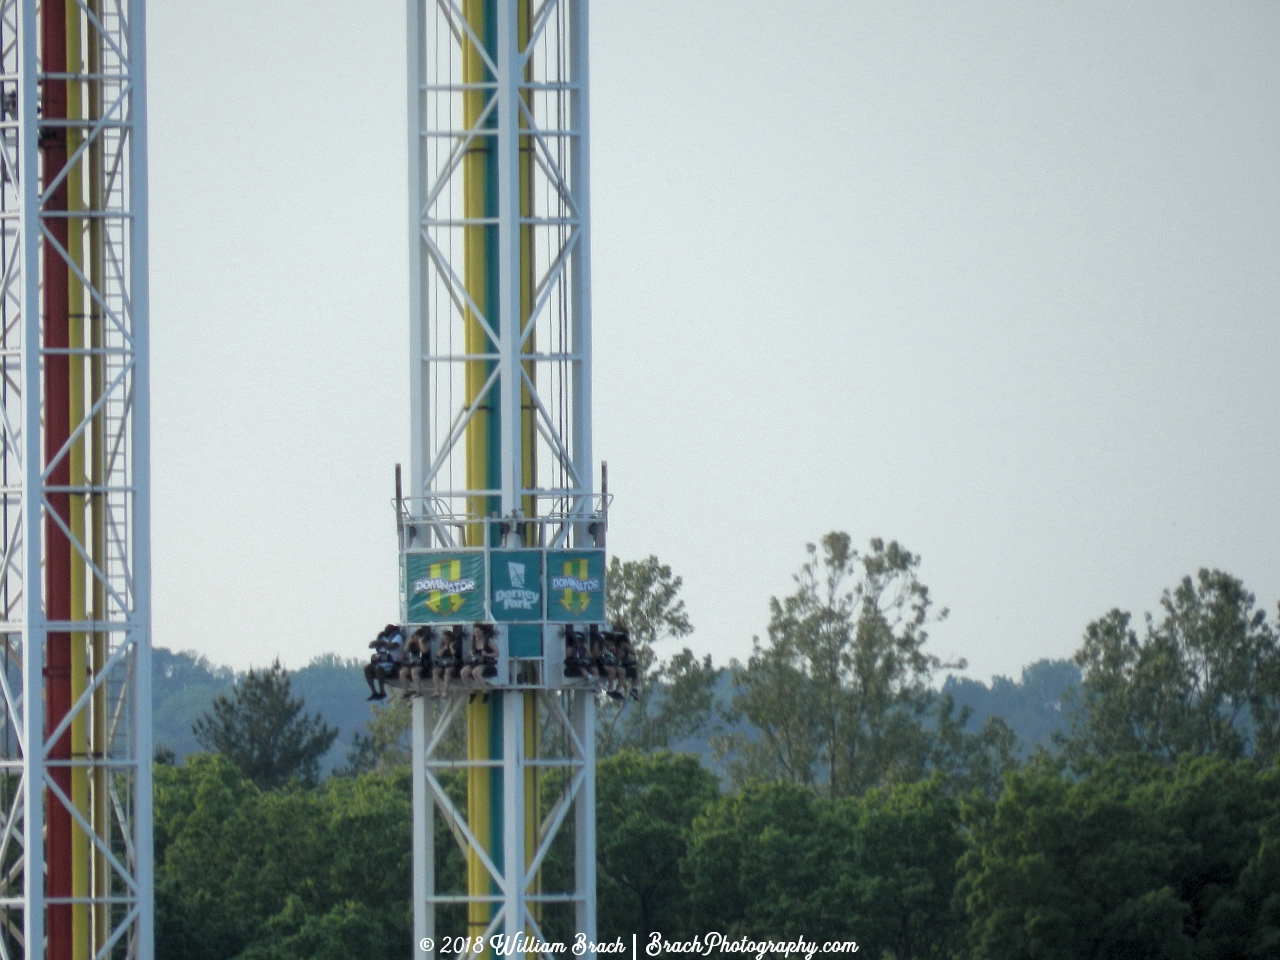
(500,522)
(75,742)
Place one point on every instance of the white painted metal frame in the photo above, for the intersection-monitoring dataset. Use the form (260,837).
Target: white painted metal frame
(572,714)
(538,96)
(116,290)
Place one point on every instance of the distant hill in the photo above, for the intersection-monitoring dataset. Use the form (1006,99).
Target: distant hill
(184,684)
(1035,706)
(334,686)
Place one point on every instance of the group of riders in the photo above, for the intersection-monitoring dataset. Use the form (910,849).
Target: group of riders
(469,654)
(604,658)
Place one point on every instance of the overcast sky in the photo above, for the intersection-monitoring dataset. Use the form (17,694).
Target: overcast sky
(997,280)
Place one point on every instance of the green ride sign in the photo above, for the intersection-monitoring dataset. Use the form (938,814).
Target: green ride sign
(443,587)
(515,585)
(575,585)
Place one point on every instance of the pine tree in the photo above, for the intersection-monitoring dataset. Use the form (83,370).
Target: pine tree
(260,728)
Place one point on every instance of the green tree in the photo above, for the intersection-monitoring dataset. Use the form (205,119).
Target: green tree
(260,727)
(901,889)
(756,859)
(676,695)
(384,746)
(842,695)
(349,929)
(645,807)
(280,873)
(779,860)
(194,804)
(1035,707)
(1137,859)
(1203,680)
(645,595)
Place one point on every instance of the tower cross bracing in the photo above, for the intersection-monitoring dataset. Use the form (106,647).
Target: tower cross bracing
(75,730)
(501,472)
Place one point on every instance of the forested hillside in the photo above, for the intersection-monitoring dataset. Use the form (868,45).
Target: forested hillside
(844,787)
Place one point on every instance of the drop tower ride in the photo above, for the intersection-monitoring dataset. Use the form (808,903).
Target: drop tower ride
(75,599)
(500,521)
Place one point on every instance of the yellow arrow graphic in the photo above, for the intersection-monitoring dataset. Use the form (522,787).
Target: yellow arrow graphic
(571,596)
(434,599)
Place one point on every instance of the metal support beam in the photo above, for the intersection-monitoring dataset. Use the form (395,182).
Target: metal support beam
(513,869)
(424,865)
(584,860)
(32,620)
(509,262)
(419,383)
(580,259)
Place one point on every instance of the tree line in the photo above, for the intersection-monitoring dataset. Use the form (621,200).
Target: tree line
(855,801)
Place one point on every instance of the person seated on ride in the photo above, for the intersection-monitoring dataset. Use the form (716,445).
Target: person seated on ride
(447,662)
(606,662)
(372,674)
(612,662)
(378,670)
(390,668)
(577,659)
(627,659)
(417,657)
(481,660)
(426,638)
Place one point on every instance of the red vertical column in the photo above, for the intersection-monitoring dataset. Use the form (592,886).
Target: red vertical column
(57,428)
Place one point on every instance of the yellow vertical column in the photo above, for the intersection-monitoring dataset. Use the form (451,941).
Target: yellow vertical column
(476,266)
(479,271)
(99,919)
(80,843)
(475,274)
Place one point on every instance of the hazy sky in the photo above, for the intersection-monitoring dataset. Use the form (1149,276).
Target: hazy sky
(997,280)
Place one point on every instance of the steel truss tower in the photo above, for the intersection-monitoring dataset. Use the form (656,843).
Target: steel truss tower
(75,741)
(501,521)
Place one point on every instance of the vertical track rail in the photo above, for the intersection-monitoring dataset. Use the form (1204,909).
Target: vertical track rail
(54,134)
